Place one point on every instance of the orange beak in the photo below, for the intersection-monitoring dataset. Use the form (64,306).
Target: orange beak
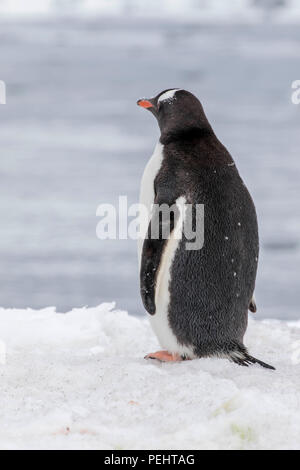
(145,104)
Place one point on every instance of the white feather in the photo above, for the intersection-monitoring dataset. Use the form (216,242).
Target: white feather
(168,95)
(147,189)
(160,321)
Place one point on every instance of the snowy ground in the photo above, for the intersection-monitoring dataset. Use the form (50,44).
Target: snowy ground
(79,380)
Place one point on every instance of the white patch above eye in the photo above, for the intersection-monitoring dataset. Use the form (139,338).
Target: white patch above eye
(168,95)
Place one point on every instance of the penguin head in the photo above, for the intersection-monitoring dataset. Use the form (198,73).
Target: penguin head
(178,112)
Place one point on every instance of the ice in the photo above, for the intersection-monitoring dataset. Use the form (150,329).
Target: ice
(79,381)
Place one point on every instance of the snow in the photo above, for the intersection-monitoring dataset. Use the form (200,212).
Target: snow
(79,381)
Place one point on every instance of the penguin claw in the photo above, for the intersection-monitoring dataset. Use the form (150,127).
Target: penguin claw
(164,356)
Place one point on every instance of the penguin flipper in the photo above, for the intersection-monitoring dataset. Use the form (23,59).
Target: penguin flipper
(153,248)
(252,305)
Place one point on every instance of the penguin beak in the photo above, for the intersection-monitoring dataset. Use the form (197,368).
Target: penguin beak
(144,103)
(148,104)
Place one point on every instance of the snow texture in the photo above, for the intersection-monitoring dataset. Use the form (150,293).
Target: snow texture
(79,381)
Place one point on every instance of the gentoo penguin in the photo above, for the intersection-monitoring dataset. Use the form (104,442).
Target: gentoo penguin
(198,299)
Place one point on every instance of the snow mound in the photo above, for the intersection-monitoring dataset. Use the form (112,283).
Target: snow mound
(79,381)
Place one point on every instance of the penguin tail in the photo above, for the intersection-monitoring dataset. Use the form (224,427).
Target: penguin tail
(242,358)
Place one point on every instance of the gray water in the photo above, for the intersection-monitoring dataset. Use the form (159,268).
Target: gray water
(72,137)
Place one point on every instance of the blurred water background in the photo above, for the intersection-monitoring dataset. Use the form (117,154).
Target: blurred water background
(72,136)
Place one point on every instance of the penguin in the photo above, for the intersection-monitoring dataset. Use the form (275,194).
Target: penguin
(197,299)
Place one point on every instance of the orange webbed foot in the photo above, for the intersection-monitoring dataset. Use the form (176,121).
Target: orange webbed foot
(164,356)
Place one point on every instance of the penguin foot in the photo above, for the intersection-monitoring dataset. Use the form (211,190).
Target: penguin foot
(164,356)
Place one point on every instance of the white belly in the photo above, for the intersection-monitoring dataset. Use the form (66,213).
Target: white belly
(147,189)
(159,321)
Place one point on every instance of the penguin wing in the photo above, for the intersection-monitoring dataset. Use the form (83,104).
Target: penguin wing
(160,227)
